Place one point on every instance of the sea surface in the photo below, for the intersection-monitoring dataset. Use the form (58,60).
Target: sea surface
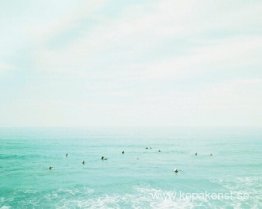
(139,178)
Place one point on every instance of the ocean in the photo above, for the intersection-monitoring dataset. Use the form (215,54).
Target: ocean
(225,173)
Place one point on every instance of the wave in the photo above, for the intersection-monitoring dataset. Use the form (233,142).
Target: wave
(5,207)
(152,198)
(138,197)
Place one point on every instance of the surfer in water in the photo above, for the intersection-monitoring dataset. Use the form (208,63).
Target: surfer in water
(123,152)
(196,154)
(66,154)
(50,167)
(83,162)
(176,170)
(103,158)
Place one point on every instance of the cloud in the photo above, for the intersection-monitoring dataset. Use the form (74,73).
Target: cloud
(149,62)
(116,44)
(223,55)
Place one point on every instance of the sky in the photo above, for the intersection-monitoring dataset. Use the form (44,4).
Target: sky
(130,63)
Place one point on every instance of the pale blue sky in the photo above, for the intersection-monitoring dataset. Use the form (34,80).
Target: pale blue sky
(148,63)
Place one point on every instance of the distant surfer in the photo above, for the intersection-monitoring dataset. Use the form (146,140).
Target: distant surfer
(211,154)
(196,154)
(123,152)
(159,150)
(50,167)
(103,158)
(146,147)
(176,170)
(83,162)
(66,154)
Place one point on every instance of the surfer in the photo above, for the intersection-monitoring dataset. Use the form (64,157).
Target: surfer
(176,170)
(103,158)
(50,167)
(66,154)
(123,152)
(83,162)
(196,154)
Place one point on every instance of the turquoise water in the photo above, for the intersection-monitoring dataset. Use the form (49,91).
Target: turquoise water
(140,178)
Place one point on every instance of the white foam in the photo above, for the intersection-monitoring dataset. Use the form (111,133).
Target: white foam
(251,187)
(138,198)
(5,207)
(143,198)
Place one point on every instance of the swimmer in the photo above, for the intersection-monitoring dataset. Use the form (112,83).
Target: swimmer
(123,152)
(159,150)
(50,167)
(196,154)
(83,162)
(66,154)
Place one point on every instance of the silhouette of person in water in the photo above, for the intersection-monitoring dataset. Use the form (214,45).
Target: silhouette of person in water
(103,158)
(66,154)
(196,154)
(176,171)
(83,162)
(159,150)
(50,167)
(123,152)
